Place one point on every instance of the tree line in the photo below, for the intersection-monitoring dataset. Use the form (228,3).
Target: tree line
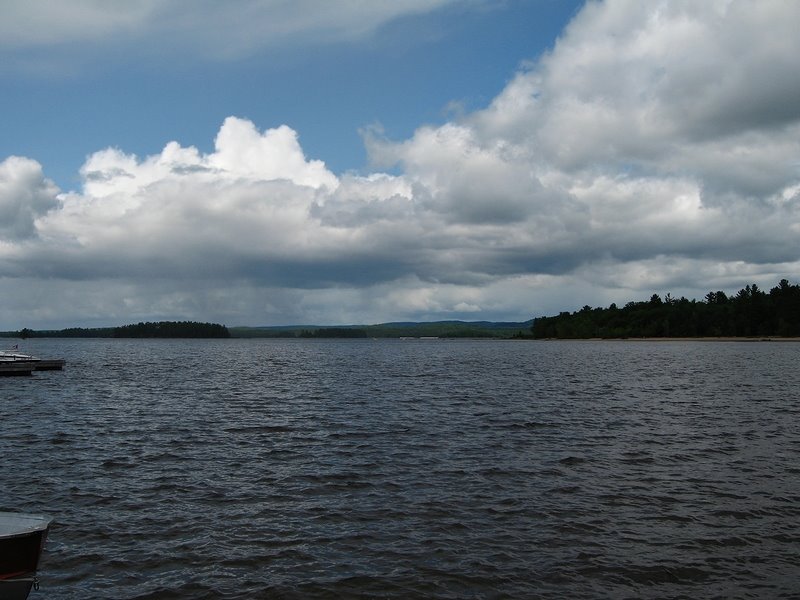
(750,312)
(70,332)
(172,329)
(334,332)
(160,329)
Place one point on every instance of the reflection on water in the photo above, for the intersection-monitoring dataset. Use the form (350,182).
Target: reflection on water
(447,469)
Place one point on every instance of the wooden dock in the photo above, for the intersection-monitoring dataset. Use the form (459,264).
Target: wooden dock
(49,364)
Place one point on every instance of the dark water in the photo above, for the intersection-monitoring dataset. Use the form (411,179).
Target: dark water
(418,469)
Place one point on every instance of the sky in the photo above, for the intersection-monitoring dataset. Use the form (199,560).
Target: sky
(272,162)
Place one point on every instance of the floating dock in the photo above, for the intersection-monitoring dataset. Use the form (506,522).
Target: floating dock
(49,364)
(12,363)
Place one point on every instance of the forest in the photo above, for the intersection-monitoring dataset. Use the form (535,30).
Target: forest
(334,332)
(750,312)
(172,329)
(160,329)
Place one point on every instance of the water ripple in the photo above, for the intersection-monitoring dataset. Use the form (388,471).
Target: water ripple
(387,469)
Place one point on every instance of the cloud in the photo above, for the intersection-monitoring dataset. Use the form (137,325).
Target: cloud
(181,214)
(650,129)
(640,84)
(212,29)
(25,195)
(655,148)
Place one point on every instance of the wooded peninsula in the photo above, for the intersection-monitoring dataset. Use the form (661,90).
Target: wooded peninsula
(751,312)
(159,329)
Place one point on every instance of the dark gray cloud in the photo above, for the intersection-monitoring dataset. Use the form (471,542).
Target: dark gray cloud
(25,195)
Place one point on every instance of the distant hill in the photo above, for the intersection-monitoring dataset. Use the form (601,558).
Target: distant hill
(187,329)
(445,329)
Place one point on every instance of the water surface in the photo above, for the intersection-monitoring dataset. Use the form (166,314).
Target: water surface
(409,469)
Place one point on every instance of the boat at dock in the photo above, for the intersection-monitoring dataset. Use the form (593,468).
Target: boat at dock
(16,363)
(22,538)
